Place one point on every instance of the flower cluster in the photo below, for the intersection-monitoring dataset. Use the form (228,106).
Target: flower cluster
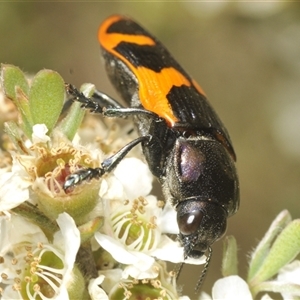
(110,235)
(107,238)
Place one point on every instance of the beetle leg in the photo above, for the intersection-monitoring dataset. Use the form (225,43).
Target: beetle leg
(96,103)
(106,166)
(128,111)
(111,162)
(104,104)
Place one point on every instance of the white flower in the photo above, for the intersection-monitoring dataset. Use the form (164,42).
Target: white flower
(39,134)
(95,290)
(13,187)
(135,230)
(161,287)
(204,296)
(290,275)
(135,177)
(33,268)
(112,278)
(231,288)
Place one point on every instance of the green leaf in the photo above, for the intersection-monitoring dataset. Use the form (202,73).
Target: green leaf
(22,103)
(70,124)
(46,98)
(263,248)
(16,88)
(285,248)
(12,77)
(229,262)
(12,130)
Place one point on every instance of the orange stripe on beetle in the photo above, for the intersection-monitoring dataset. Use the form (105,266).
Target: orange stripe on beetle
(110,40)
(153,86)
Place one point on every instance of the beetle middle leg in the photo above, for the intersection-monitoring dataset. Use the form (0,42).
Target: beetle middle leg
(107,106)
(106,166)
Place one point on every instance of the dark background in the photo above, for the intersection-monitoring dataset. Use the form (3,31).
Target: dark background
(246,56)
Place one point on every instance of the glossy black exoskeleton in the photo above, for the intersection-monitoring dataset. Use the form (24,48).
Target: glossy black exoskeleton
(184,142)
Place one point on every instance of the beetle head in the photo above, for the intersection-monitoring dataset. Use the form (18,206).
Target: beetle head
(201,183)
(200,223)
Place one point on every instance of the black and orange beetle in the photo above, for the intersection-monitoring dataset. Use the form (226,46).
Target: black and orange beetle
(184,142)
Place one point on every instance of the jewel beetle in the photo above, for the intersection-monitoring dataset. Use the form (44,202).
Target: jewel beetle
(183,140)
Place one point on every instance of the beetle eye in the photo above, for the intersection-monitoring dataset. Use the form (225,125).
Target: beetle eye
(189,223)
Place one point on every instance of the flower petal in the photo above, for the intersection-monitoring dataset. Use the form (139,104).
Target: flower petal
(112,278)
(143,268)
(68,236)
(134,176)
(39,134)
(111,188)
(140,264)
(95,291)
(16,230)
(168,220)
(115,248)
(290,273)
(231,287)
(204,296)
(169,250)
(13,191)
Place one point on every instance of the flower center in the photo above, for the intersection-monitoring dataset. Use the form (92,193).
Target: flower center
(135,228)
(39,272)
(146,289)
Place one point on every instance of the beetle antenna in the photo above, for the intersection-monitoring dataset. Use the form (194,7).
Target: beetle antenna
(204,271)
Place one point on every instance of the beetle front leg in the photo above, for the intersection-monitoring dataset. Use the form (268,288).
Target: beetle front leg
(96,103)
(106,166)
(104,104)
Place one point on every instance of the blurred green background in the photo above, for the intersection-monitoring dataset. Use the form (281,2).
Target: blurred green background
(245,55)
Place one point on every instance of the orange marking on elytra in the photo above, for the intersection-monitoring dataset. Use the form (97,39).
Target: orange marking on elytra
(111,40)
(153,86)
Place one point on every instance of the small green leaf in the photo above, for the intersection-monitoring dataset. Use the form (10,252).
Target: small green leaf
(263,248)
(26,121)
(229,262)
(46,98)
(12,77)
(285,248)
(70,124)
(13,131)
